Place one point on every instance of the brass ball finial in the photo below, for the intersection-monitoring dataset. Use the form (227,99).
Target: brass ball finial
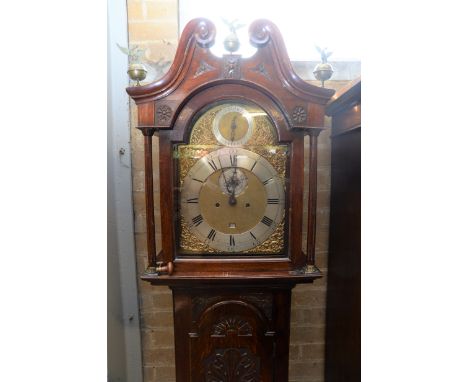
(231,42)
(324,70)
(137,72)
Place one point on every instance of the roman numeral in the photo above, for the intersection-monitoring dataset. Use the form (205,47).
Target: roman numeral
(197,220)
(253,236)
(255,163)
(192,200)
(212,235)
(197,180)
(267,221)
(232,242)
(273,201)
(233,159)
(212,163)
(267,181)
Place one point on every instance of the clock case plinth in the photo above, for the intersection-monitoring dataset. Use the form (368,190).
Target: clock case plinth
(248,298)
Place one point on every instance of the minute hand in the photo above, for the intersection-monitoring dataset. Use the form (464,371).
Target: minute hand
(224,176)
(233,181)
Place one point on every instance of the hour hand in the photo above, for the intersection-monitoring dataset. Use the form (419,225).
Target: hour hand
(233,182)
(232,197)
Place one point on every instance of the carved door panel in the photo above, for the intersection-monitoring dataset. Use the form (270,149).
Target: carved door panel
(233,343)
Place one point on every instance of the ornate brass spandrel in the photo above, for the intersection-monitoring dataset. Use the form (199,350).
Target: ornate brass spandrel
(189,242)
(188,155)
(264,133)
(276,155)
(274,244)
(202,133)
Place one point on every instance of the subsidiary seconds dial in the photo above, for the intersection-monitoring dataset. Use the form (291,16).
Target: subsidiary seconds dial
(232,199)
(233,126)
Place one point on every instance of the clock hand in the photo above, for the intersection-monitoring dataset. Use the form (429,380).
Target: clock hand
(232,197)
(233,181)
(233,128)
(224,176)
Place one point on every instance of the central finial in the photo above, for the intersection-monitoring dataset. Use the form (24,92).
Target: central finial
(324,70)
(231,42)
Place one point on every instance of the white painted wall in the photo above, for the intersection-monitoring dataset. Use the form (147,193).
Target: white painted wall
(124,344)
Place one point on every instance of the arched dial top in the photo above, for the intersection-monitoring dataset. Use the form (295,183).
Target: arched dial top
(232,182)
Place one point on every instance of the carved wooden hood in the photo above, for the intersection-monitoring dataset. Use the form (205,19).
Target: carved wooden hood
(198,78)
(268,70)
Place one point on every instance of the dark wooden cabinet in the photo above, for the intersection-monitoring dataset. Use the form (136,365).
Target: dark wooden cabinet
(239,333)
(231,292)
(343,334)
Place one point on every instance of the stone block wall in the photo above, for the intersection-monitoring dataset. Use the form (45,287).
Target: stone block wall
(152,24)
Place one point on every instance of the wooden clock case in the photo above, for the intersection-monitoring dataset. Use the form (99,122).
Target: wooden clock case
(231,313)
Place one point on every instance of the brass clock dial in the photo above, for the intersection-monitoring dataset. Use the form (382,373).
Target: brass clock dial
(233,199)
(231,176)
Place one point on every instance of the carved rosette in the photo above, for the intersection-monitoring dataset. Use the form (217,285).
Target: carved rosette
(232,365)
(299,114)
(235,325)
(163,114)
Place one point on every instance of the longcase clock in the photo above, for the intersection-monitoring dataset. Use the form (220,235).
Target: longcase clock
(231,163)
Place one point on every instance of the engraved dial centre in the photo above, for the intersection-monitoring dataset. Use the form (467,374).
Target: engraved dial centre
(233,181)
(232,219)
